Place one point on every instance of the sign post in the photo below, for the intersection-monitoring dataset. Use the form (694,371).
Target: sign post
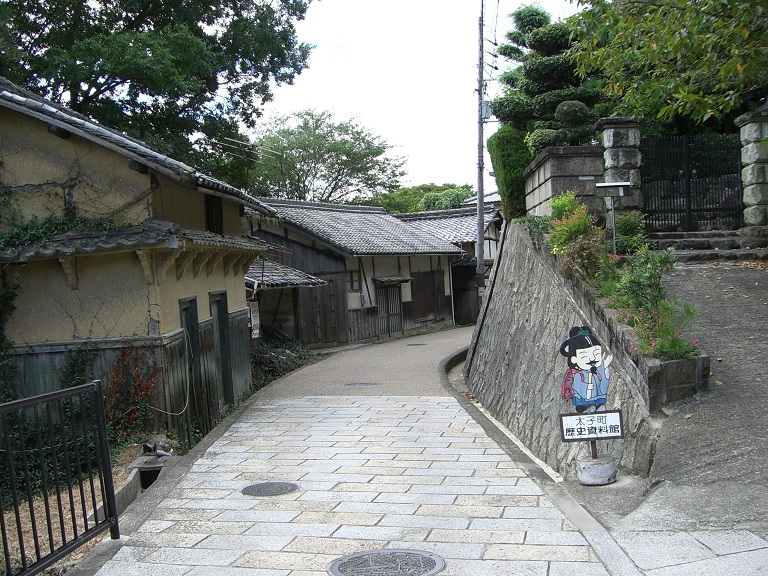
(612,190)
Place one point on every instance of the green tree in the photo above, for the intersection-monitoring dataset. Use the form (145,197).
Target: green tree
(448,199)
(703,60)
(544,97)
(308,156)
(161,71)
(510,157)
(407,198)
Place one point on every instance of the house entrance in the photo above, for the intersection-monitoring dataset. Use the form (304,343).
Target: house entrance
(390,306)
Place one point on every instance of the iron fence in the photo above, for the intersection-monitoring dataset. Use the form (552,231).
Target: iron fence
(692,183)
(56,488)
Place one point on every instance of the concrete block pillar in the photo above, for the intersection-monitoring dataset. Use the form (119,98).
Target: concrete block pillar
(621,140)
(753,130)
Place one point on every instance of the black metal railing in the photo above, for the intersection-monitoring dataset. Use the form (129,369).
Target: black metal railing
(56,489)
(692,183)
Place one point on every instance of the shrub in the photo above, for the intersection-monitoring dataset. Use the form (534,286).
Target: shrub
(569,228)
(564,204)
(630,232)
(510,157)
(131,390)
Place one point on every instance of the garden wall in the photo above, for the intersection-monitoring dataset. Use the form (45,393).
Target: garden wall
(515,369)
(559,169)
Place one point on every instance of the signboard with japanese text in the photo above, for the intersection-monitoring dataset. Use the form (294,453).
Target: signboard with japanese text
(601,425)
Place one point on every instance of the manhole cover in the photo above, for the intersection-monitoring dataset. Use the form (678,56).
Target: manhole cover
(388,563)
(270,489)
(415,344)
(363,384)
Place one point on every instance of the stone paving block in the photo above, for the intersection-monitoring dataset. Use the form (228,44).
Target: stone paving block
(424,521)
(333,546)
(495,568)
(207,527)
(460,511)
(545,553)
(371,487)
(514,490)
(286,560)
(117,568)
(194,556)
(242,542)
(388,533)
(448,552)
(416,498)
(385,470)
(577,569)
(651,550)
(230,571)
(438,472)
(376,508)
(497,500)
(293,530)
(409,480)
(320,477)
(533,537)
(515,524)
(166,540)
(183,514)
(154,526)
(218,504)
(477,536)
(430,458)
(339,518)
(729,541)
(338,496)
(532,512)
(257,516)
(457,489)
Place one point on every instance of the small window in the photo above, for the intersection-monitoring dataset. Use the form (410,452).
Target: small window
(353,281)
(214,214)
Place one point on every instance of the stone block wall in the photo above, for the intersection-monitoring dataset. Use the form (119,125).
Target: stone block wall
(753,128)
(559,169)
(515,369)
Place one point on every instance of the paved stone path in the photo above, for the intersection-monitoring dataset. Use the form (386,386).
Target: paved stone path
(394,471)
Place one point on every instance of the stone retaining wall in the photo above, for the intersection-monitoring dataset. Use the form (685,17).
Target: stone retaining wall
(515,369)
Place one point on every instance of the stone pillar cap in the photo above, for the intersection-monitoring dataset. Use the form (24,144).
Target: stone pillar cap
(615,121)
(753,116)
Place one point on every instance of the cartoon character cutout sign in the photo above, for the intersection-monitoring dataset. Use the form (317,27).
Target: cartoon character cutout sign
(585,382)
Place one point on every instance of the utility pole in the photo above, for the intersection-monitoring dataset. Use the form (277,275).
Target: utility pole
(479,251)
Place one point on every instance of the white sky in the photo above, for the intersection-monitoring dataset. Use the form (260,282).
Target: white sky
(407,71)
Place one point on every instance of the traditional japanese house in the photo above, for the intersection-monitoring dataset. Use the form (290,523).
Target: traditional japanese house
(273,292)
(150,256)
(383,276)
(459,227)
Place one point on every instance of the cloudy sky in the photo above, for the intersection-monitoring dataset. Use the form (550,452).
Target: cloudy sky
(407,71)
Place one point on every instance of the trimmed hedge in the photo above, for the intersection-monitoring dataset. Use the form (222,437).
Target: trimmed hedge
(510,157)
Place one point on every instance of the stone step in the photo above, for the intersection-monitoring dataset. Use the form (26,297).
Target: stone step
(715,244)
(715,255)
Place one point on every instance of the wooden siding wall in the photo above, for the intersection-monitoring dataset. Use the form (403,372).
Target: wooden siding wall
(240,354)
(363,323)
(323,314)
(187,412)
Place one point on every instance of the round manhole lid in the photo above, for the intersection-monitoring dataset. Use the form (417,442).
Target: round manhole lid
(388,563)
(270,489)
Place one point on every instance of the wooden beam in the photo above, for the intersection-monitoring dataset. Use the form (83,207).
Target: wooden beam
(69,265)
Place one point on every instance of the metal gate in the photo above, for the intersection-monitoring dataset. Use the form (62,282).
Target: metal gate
(390,305)
(692,183)
(56,490)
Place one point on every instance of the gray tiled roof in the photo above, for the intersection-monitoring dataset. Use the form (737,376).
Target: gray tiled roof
(359,230)
(30,104)
(455,226)
(151,234)
(269,274)
(488,198)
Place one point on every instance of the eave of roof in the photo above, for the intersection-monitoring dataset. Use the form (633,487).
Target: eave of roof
(359,230)
(25,102)
(151,234)
(267,274)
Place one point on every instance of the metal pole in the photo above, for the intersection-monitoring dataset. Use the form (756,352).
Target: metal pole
(479,249)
